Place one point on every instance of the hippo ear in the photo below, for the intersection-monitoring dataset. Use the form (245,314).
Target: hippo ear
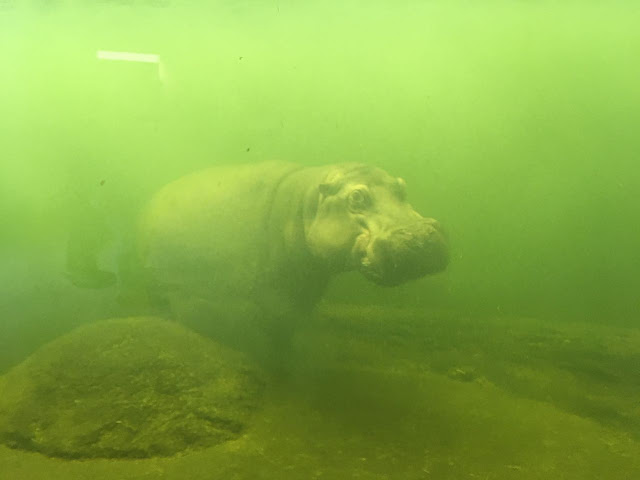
(331,184)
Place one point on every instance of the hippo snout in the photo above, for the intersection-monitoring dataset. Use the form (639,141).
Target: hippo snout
(406,253)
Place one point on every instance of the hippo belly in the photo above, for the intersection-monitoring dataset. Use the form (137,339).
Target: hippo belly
(204,233)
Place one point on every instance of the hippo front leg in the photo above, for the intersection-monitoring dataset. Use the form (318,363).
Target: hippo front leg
(278,319)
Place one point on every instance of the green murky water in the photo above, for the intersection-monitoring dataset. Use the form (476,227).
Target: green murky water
(514,123)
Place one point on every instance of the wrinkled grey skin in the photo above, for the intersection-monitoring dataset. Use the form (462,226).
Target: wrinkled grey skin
(263,240)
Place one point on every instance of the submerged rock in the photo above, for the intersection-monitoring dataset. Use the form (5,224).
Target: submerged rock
(127,388)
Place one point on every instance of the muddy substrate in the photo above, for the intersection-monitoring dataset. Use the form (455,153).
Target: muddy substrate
(384,394)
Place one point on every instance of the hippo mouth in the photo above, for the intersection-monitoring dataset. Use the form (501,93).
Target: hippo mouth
(403,254)
(359,253)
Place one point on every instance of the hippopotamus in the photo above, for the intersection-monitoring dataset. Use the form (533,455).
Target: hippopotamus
(254,246)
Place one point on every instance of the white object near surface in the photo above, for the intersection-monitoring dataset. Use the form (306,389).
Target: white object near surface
(128,56)
(135,57)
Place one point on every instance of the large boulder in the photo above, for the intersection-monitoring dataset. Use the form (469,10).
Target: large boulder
(133,387)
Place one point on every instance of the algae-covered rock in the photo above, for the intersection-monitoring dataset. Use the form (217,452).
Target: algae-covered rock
(134,387)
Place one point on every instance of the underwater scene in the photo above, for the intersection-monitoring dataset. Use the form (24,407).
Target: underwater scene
(279,239)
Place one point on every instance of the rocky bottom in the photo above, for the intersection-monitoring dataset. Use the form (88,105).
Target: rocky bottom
(127,388)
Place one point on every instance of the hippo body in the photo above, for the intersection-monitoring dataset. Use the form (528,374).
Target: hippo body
(247,249)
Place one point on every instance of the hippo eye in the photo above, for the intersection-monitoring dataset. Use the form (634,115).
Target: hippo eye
(358,200)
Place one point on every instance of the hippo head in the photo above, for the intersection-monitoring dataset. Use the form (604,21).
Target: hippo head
(363,222)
